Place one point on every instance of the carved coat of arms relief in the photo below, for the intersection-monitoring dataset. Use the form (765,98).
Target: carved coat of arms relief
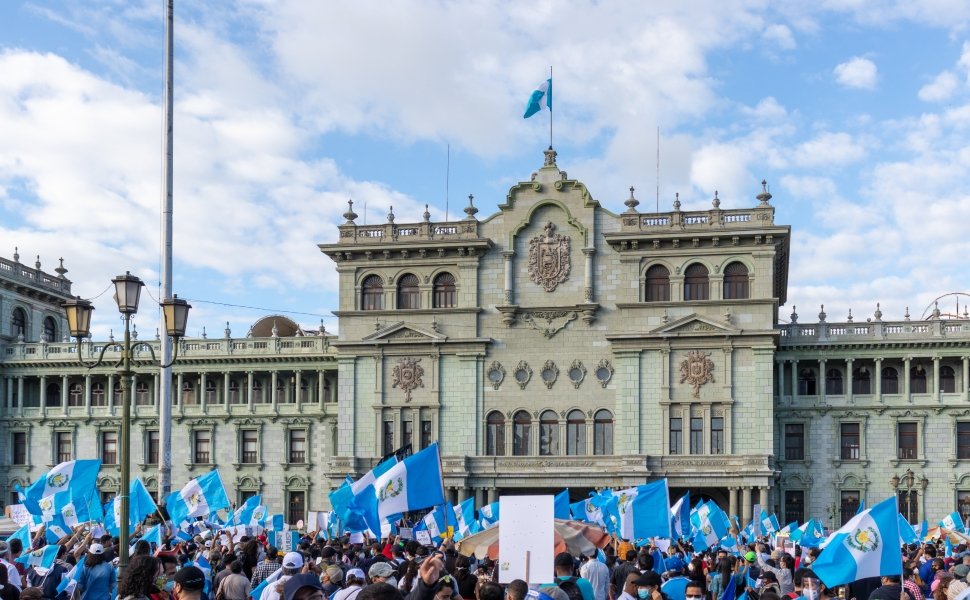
(549,260)
(696,370)
(407,376)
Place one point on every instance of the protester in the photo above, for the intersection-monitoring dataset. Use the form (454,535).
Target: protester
(189,583)
(97,578)
(7,590)
(576,588)
(355,581)
(598,575)
(234,586)
(139,578)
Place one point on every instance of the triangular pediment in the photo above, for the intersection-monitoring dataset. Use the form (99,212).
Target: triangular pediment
(403,332)
(695,324)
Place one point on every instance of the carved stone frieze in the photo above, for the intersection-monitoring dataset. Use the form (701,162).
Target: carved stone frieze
(549,322)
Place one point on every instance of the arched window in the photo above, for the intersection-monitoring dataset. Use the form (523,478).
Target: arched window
(917,380)
(833,382)
(948,380)
(603,432)
(495,434)
(188,392)
(521,430)
(548,433)
(372,293)
(735,281)
(53,395)
(97,394)
(408,293)
(807,386)
(75,395)
(210,392)
(657,285)
(575,433)
(696,285)
(861,381)
(18,323)
(141,394)
(445,294)
(50,329)
(890,381)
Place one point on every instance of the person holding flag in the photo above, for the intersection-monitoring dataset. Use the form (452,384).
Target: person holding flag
(97,579)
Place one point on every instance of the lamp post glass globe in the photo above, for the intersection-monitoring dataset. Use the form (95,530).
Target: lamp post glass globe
(127,291)
(79,317)
(176,313)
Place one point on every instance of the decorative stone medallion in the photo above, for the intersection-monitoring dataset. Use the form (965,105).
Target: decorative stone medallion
(522,374)
(604,372)
(496,374)
(696,370)
(577,373)
(407,376)
(549,373)
(549,260)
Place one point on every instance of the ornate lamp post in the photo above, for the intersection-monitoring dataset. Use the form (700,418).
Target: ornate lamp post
(909,485)
(176,313)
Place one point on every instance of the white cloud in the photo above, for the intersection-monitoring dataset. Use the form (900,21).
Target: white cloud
(828,150)
(779,36)
(940,89)
(858,72)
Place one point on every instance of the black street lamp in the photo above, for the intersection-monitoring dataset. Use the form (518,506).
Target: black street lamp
(176,312)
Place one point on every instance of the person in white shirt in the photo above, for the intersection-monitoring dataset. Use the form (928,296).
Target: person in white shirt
(630,587)
(13,575)
(598,575)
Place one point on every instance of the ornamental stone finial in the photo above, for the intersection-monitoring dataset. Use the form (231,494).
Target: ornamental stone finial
(764,196)
(631,202)
(471,209)
(350,215)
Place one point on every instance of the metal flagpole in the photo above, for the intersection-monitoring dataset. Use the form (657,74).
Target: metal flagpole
(548,101)
(165,372)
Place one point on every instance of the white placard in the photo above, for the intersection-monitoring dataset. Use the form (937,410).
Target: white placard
(662,544)
(97,531)
(526,529)
(312,521)
(405,533)
(20,515)
(423,537)
(357,537)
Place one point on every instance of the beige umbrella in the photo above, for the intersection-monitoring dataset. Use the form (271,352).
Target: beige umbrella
(575,537)
(956,537)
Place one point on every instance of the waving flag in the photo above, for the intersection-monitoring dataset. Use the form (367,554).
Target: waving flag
(953,522)
(680,516)
(140,505)
(561,503)
(649,510)
(56,529)
(153,535)
(489,514)
(540,99)
(585,511)
(42,558)
(78,475)
(465,516)
(867,546)
(198,498)
(710,532)
(22,534)
(907,535)
(342,498)
(412,484)
(250,513)
(435,522)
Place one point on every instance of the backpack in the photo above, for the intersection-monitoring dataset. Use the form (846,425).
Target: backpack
(568,585)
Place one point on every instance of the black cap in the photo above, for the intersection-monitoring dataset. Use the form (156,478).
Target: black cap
(297,582)
(190,578)
(648,578)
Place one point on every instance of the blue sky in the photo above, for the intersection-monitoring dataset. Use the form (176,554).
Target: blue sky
(856,112)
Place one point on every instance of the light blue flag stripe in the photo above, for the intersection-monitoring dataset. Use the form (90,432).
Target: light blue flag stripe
(867,546)
(539,99)
(651,508)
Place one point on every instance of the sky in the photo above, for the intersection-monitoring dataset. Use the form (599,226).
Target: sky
(856,112)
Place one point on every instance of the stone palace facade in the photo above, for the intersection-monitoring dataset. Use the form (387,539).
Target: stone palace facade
(555,343)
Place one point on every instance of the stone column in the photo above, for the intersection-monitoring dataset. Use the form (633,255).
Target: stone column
(878,377)
(321,391)
(249,390)
(298,385)
(746,504)
(848,379)
(134,393)
(588,275)
(21,399)
(763,497)
(87,393)
(781,379)
(966,377)
(65,387)
(794,380)
(508,255)
(492,494)
(936,379)
(274,397)
(906,369)
(732,501)
(225,390)
(43,393)
(202,393)
(109,389)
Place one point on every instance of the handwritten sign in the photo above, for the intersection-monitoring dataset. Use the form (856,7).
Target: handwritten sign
(526,539)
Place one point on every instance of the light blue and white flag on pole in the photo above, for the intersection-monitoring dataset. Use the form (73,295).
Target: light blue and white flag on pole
(561,505)
(153,535)
(42,558)
(199,497)
(412,484)
(867,546)
(435,522)
(249,514)
(709,533)
(80,476)
(140,505)
(680,517)
(465,516)
(56,529)
(489,514)
(649,511)
(22,534)
(907,535)
(953,522)
(584,510)
(540,99)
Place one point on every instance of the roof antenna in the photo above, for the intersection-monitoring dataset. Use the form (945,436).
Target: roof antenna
(658,168)
(447,180)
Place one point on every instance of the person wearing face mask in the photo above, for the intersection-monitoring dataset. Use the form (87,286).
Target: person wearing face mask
(813,588)
(648,587)
(629,590)
(694,591)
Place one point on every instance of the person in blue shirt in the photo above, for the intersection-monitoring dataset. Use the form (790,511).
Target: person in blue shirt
(97,580)
(565,574)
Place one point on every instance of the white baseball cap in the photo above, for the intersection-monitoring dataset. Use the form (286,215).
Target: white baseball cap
(96,548)
(293,560)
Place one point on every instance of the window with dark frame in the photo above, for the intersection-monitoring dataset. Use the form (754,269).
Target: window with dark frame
(152,449)
(794,441)
(948,380)
(575,433)
(735,281)
(426,437)
(408,292)
(548,433)
(63,446)
(696,283)
(908,504)
(696,435)
(861,381)
(19,440)
(407,432)
(833,382)
(203,441)
(387,443)
(917,380)
(890,381)
(298,446)
(849,505)
(717,435)
(444,293)
(676,435)
(807,385)
(794,506)
(849,441)
(495,434)
(603,433)
(210,393)
(296,507)
(963,439)
(906,441)
(50,330)
(97,394)
(18,323)
(75,394)
(250,446)
(372,293)
(657,284)
(109,447)
(521,430)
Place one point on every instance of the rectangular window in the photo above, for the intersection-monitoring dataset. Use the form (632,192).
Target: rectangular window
(109,447)
(908,505)
(203,445)
(963,505)
(298,446)
(717,435)
(63,446)
(20,447)
(849,434)
(696,435)
(963,439)
(388,438)
(407,432)
(906,440)
(794,442)
(425,433)
(794,506)
(676,435)
(296,507)
(246,495)
(849,505)
(152,449)
(250,446)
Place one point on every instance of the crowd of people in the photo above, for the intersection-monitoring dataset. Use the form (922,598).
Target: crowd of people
(213,567)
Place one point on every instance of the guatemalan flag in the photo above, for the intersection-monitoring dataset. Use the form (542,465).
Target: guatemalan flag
(42,558)
(140,505)
(648,511)
(907,535)
(22,534)
(250,514)
(867,546)
(584,510)
(464,516)
(561,505)
(341,499)
(153,535)
(540,99)
(489,514)
(80,476)
(680,517)
(953,522)
(412,484)
(198,498)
